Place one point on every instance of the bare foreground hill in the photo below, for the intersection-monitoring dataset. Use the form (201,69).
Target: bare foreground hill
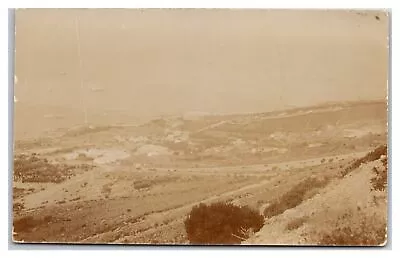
(317,175)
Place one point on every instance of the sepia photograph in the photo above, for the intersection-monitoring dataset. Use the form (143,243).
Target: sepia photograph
(201,127)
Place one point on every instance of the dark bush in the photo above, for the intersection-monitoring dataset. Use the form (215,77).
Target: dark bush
(17,207)
(371,156)
(39,170)
(294,196)
(296,223)
(221,223)
(148,183)
(24,224)
(379,180)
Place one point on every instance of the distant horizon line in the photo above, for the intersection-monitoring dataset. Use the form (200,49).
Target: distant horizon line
(210,113)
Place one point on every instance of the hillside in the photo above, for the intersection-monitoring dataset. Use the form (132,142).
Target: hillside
(137,183)
(349,211)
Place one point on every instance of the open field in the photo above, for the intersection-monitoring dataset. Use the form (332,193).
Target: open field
(136,184)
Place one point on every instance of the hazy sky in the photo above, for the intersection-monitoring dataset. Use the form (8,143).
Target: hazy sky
(172,61)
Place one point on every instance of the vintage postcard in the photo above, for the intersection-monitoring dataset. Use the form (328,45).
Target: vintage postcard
(201,126)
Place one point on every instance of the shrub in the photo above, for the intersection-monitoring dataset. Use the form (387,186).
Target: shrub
(221,223)
(296,223)
(27,223)
(148,183)
(294,196)
(379,181)
(18,192)
(371,156)
(35,169)
(24,224)
(84,157)
(351,230)
(142,184)
(17,207)
(106,189)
